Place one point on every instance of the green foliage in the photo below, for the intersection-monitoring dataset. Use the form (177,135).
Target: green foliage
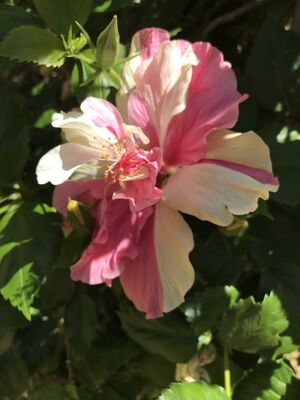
(273,69)
(170,337)
(12,144)
(33,44)
(193,391)
(240,323)
(268,381)
(250,327)
(81,320)
(61,14)
(29,240)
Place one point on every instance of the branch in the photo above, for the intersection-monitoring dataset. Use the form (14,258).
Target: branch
(223,19)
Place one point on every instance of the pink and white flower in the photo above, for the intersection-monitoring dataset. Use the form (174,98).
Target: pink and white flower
(170,152)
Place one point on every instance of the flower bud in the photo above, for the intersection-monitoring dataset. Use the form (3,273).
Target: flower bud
(108,45)
(79,217)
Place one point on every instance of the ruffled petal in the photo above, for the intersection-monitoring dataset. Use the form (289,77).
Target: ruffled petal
(211,103)
(88,192)
(115,239)
(214,193)
(58,164)
(141,279)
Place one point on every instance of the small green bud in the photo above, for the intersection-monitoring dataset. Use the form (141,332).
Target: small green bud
(79,217)
(108,43)
(236,229)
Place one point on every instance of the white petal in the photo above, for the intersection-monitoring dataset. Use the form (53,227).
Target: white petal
(213,193)
(173,243)
(79,128)
(58,164)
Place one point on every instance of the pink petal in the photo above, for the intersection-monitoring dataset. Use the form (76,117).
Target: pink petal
(141,192)
(104,114)
(148,41)
(87,192)
(212,103)
(114,241)
(158,279)
(141,279)
(164,84)
(139,116)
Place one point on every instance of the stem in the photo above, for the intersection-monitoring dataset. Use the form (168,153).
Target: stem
(227,375)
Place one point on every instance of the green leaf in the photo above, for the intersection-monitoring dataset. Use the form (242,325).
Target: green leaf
(42,345)
(170,336)
(22,289)
(193,391)
(12,16)
(33,44)
(104,359)
(205,309)
(10,321)
(287,168)
(251,327)
(14,376)
(268,381)
(273,69)
(61,14)
(107,46)
(13,136)
(29,238)
(51,391)
(81,323)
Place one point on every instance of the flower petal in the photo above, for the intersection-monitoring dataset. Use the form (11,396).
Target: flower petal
(115,239)
(87,192)
(141,279)
(163,86)
(213,193)
(211,103)
(79,128)
(243,152)
(104,114)
(173,243)
(58,164)
(158,279)
(145,44)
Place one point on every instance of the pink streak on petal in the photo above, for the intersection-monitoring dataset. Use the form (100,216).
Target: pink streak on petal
(150,40)
(104,114)
(141,280)
(258,174)
(138,115)
(212,103)
(85,191)
(114,243)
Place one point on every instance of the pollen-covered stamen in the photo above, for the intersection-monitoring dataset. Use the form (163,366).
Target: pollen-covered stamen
(131,166)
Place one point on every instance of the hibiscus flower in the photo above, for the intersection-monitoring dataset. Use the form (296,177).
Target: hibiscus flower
(169,152)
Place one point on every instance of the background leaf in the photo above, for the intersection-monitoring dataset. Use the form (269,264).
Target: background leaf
(33,44)
(61,14)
